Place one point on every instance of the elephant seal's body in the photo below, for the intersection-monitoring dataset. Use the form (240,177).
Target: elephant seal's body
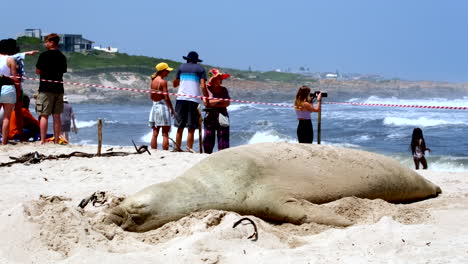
(275,181)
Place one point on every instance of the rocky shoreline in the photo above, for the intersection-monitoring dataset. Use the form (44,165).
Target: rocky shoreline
(251,90)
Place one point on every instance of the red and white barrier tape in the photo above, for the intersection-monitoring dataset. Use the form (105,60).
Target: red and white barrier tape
(157,92)
(411,106)
(244,101)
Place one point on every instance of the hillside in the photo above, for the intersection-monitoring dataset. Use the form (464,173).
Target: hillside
(127,71)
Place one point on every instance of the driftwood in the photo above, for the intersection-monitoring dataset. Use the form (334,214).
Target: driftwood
(254,236)
(35,157)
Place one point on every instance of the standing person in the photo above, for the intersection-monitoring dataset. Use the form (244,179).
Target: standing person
(160,114)
(418,147)
(51,65)
(67,118)
(13,51)
(9,89)
(216,119)
(304,107)
(190,78)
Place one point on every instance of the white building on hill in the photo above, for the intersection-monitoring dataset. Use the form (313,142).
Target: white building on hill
(108,49)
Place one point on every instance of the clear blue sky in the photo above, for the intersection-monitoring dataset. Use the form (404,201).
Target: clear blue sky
(410,39)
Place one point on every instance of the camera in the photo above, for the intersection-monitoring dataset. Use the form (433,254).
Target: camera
(316,93)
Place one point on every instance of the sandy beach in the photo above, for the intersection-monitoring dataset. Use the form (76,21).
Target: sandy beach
(42,223)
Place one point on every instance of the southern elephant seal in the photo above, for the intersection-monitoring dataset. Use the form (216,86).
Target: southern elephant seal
(274,181)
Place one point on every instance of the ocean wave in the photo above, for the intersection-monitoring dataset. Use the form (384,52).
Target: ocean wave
(419,122)
(342,145)
(461,102)
(270,136)
(83,124)
(437,163)
(92,123)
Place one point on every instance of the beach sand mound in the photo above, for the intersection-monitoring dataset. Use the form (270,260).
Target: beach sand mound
(41,223)
(64,229)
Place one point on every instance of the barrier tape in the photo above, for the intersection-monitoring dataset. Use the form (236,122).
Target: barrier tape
(243,101)
(411,106)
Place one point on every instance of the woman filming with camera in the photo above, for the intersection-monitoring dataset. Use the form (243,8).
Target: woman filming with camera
(304,107)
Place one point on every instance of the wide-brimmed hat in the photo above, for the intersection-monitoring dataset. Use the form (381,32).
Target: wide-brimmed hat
(192,56)
(213,73)
(163,66)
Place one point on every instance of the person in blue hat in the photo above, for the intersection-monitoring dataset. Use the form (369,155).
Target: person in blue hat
(191,80)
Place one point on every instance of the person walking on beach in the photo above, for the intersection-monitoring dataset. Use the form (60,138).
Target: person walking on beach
(190,78)
(304,107)
(216,120)
(67,118)
(418,148)
(10,90)
(51,65)
(162,110)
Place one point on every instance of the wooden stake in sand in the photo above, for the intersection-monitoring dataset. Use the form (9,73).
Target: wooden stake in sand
(319,124)
(99,137)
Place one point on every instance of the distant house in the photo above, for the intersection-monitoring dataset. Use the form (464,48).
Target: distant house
(108,49)
(74,43)
(68,42)
(331,76)
(32,33)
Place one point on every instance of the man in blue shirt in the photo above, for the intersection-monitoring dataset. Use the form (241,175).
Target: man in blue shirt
(190,78)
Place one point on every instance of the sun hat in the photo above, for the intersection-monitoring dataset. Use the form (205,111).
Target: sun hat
(192,56)
(213,73)
(163,66)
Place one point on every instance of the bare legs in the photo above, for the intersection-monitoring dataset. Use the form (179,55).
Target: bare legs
(8,108)
(165,134)
(423,162)
(65,135)
(43,124)
(190,137)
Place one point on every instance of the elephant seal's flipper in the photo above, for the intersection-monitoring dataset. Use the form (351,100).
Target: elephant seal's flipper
(130,221)
(299,211)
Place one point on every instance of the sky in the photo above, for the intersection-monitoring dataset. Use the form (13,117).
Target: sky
(406,39)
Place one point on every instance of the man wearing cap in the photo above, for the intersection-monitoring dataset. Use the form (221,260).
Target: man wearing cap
(190,78)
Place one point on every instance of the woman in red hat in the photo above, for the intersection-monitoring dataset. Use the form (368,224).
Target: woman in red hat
(216,119)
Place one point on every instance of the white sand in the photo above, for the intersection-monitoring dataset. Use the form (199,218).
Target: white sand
(41,223)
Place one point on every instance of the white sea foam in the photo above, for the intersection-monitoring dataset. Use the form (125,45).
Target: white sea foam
(83,124)
(236,106)
(419,122)
(269,136)
(461,102)
(437,163)
(397,135)
(342,145)
(91,123)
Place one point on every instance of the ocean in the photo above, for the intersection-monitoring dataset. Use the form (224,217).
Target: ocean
(385,130)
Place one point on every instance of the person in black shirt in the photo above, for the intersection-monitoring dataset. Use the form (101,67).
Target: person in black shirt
(51,65)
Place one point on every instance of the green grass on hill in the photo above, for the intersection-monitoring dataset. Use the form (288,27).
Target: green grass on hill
(95,62)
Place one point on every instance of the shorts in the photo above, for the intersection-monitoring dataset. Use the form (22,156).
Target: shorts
(8,94)
(187,114)
(49,103)
(160,114)
(66,125)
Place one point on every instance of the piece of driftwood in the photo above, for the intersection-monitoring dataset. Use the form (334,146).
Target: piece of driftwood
(36,157)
